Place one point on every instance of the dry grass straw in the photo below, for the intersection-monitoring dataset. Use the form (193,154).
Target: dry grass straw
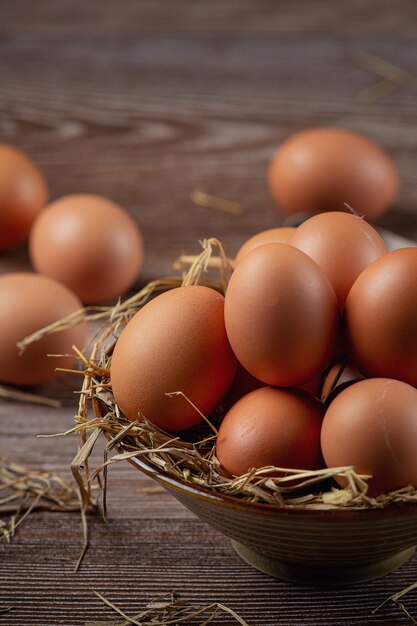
(395,598)
(23,490)
(391,77)
(169,611)
(10,393)
(201,198)
(193,461)
(6,609)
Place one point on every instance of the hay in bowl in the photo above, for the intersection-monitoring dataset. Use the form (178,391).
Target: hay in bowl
(299,525)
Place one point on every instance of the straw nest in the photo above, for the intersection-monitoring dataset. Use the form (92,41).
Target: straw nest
(190,458)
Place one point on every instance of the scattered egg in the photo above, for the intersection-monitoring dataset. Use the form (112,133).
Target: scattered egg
(273,235)
(281,315)
(30,302)
(381,317)
(372,425)
(88,243)
(342,245)
(320,169)
(176,342)
(23,194)
(271,427)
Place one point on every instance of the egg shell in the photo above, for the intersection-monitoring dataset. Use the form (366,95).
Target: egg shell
(176,342)
(23,194)
(88,243)
(313,386)
(320,169)
(30,302)
(273,235)
(342,245)
(372,425)
(243,383)
(380,317)
(339,376)
(281,315)
(277,427)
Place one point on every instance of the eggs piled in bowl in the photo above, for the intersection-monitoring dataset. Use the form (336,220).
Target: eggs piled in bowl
(332,293)
(303,374)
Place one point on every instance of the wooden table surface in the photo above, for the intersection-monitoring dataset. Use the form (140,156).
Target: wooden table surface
(142,101)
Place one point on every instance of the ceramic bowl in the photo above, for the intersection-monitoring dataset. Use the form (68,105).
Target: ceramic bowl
(319,547)
(333,547)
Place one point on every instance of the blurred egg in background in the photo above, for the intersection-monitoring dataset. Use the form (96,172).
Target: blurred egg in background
(23,194)
(322,169)
(88,243)
(30,302)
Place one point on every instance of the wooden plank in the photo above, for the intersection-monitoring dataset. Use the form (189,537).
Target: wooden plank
(131,562)
(217,17)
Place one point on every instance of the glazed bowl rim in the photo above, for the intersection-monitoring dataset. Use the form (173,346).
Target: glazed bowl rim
(198,492)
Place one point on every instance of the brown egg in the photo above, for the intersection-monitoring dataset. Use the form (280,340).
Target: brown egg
(30,302)
(243,383)
(23,194)
(278,427)
(381,317)
(340,376)
(313,386)
(320,169)
(88,243)
(372,425)
(273,235)
(342,245)
(176,342)
(281,315)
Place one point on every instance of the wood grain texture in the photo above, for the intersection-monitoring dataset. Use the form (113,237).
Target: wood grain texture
(142,101)
(220,17)
(132,561)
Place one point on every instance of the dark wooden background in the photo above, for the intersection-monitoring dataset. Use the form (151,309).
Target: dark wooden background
(143,100)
